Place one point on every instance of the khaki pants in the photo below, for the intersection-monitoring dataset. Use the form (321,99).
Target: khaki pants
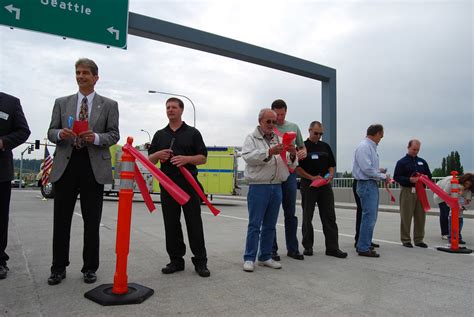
(410,207)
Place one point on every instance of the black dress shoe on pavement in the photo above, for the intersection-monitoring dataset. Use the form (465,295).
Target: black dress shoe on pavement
(295,255)
(276,257)
(374,245)
(56,277)
(462,242)
(90,277)
(370,254)
(171,268)
(202,270)
(421,245)
(407,244)
(3,271)
(336,253)
(308,252)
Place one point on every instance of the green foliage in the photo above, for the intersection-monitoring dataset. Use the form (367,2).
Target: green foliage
(450,163)
(347,174)
(29,166)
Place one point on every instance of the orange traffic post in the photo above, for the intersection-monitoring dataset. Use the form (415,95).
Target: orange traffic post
(454,205)
(121,292)
(455,211)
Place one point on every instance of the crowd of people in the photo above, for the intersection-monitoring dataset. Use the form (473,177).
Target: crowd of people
(85,124)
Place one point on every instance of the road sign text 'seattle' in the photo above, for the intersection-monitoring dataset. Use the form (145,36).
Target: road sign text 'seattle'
(103,22)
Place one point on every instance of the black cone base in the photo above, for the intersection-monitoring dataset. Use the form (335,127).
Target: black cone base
(103,295)
(461,250)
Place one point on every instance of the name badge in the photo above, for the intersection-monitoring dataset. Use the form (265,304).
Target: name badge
(3,115)
(420,163)
(314,156)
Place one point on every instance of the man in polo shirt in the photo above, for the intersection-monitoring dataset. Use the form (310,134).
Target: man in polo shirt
(289,187)
(318,163)
(180,145)
(406,174)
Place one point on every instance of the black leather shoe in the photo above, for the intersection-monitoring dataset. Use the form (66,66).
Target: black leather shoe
(275,257)
(308,252)
(3,271)
(374,245)
(336,253)
(171,268)
(370,254)
(421,245)
(407,244)
(90,277)
(56,277)
(202,270)
(462,242)
(295,255)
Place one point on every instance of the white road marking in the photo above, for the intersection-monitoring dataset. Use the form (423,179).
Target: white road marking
(320,231)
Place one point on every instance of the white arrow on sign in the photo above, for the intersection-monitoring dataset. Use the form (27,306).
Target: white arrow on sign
(11,8)
(112,31)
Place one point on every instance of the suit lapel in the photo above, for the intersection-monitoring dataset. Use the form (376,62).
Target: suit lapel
(97,106)
(71,108)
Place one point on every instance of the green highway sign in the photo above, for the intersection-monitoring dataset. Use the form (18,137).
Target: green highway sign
(98,21)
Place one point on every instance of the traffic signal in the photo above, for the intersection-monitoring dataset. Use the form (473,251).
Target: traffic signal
(37,144)
(31,148)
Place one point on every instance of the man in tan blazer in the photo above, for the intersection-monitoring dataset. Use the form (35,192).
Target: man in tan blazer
(82,166)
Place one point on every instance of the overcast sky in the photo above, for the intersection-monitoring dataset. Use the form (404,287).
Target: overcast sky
(405,64)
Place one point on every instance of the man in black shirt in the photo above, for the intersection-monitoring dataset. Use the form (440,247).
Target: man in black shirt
(405,174)
(318,163)
(180,145)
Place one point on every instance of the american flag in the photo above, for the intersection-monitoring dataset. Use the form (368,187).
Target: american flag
(46,169)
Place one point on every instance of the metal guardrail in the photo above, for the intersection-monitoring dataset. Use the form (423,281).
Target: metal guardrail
(347,182)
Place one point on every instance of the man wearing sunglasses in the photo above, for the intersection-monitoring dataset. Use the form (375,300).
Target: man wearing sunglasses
(318,164)
(289,187)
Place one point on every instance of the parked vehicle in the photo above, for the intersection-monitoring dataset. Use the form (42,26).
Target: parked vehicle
(16,183)
(217,177)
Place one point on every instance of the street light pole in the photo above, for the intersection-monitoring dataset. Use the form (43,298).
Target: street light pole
(149,137)
(21,165)
(172,94)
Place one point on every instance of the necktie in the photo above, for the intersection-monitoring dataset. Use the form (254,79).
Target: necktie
(84,111)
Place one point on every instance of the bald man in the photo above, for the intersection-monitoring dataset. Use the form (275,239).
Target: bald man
(405,174)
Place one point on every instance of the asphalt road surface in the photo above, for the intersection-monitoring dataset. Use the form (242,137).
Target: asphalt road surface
(402,282)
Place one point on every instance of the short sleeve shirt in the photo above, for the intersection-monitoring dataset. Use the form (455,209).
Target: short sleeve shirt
(187,141)
(291,127)
(319,159)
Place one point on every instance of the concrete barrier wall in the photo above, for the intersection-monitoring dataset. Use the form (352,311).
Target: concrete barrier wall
(344,195)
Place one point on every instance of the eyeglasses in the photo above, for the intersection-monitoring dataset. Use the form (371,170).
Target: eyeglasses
(318,133)
(270,121)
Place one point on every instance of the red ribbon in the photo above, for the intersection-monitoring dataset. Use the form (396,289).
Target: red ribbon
(423,179)
(319,182)
(143,189)
(392,198)
(421,192)
(287,139)
(191,180)
(177,193)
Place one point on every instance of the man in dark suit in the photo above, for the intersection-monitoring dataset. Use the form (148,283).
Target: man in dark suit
(13,132)
(82,166)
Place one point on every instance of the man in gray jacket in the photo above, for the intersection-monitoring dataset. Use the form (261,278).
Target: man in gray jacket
(83,127)
(265,171)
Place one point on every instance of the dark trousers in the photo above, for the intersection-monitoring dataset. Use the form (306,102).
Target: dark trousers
(5,194)
(444,218)
(324,197)
(172,219)
(359,209)
(78,178)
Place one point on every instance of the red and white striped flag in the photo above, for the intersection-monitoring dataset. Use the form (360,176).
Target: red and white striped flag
(46,168)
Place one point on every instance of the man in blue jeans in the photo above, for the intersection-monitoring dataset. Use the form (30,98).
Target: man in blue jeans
(289,187)
(367,172)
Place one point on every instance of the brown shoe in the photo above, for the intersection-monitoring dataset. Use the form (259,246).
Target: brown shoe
(369,253)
